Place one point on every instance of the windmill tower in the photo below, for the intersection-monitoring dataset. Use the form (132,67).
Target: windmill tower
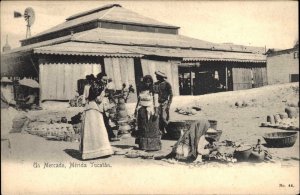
(6,47)
(29,17)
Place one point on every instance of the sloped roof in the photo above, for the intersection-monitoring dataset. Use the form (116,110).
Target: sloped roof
(80,48)
(108,13)
(87,49)
(35,45)
(102,35)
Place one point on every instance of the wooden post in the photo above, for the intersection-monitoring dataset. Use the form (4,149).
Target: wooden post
(192,84)
(226,75)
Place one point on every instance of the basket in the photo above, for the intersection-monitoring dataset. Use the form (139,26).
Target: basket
(280,139)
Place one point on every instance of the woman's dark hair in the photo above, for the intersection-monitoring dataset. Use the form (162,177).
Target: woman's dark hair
(147,79)
(101,75)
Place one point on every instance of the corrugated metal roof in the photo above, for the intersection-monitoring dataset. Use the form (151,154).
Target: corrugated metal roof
(79,48)
(87,49)
(101,35)
(224,56)
(112,13)
(154,39)
(40,44)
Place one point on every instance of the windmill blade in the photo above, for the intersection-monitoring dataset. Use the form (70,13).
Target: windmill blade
(29,16)
(17,14)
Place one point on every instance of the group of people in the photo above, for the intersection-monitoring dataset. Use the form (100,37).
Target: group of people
(152,113)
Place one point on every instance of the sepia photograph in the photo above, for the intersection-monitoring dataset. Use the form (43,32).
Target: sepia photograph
(149,97)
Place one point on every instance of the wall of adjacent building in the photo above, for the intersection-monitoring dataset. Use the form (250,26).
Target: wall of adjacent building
(280,67)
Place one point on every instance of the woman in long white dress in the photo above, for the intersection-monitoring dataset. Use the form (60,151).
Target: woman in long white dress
(94,139)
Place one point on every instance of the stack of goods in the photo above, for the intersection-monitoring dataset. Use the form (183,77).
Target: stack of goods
(123,119)
(288,120)
(187,111)
(56,131)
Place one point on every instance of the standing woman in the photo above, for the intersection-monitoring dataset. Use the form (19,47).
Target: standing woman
(148,133)
(94,139)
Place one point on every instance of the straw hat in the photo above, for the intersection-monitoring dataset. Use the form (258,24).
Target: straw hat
(211,131)
(161,74)
(5,80)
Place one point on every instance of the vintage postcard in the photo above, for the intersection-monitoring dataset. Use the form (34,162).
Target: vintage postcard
(149,97)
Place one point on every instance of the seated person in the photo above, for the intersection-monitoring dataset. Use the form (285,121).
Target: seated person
(29,101)
(207,145)
(187,147)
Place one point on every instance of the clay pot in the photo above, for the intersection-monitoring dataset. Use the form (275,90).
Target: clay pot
(125,128)
(256,156)
(122,107)
(270,119)
(277,118)
(123,120)
(283,115)
(121,101)
(242,153)
(292,112)
(122,114)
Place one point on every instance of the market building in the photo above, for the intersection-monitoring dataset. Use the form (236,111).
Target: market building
(283,65)
(126,46)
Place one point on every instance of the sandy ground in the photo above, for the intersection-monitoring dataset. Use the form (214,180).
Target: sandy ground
(238,124)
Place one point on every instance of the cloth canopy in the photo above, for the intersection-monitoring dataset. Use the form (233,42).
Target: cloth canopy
(29,83)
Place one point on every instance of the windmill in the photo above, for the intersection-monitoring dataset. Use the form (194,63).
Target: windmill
(29,17)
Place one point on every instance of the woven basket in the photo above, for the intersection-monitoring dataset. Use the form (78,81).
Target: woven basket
(280,139)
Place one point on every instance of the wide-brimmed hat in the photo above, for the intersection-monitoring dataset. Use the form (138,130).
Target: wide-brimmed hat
(161,74)
(5,80)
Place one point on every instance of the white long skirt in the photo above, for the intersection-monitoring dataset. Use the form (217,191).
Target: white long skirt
(94,138)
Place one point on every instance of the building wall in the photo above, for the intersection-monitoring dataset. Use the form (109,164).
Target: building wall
(279,67)
(58,75)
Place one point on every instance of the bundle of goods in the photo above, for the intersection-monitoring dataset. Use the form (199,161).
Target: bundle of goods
(187,111)
(217,156)
(243,104)
(236,152)
(56,131)
(122,119)
(288,120)
(280,139)
(138,153)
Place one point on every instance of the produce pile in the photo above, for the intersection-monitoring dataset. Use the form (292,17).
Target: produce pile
(55,131)
(188,110)
(230,151)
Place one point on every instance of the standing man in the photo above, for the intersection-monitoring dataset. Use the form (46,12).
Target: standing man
(165,95)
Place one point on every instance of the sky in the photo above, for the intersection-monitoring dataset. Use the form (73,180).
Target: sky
(270,24)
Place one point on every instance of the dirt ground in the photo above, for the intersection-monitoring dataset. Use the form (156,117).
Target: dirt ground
(238,124)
